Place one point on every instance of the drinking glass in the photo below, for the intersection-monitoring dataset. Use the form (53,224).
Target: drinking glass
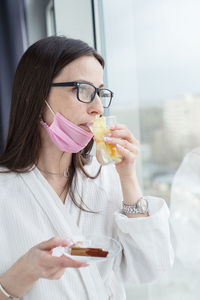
(105,153)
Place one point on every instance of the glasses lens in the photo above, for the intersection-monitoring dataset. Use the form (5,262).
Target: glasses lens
(105,96)
(86,92)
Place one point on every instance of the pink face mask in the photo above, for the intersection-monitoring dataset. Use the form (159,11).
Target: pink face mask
(67,136)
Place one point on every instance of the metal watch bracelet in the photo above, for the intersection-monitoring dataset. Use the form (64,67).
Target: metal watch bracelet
(141,207)
(6,294)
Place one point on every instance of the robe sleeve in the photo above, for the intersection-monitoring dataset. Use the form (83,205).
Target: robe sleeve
(147,250)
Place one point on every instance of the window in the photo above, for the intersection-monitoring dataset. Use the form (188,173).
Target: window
(152,54)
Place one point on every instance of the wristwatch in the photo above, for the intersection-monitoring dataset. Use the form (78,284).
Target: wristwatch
(141,207)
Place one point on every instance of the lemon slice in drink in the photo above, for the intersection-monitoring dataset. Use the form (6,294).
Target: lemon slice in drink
(105,153)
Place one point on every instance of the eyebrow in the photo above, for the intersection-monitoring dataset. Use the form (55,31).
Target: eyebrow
(85,81)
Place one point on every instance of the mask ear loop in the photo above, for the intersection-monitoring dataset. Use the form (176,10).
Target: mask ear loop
(50,108)
(40,116)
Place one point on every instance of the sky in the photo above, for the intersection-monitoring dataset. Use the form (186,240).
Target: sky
(155,44)
(167,39)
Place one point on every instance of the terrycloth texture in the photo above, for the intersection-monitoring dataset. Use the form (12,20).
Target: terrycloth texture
(31,212)
(185,208)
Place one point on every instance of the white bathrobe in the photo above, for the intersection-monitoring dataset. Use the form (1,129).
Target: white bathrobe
(182,281)
(31,212)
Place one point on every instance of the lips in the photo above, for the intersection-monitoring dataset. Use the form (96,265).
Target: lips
(86,126)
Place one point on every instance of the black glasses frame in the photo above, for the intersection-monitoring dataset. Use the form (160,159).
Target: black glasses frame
(77,84)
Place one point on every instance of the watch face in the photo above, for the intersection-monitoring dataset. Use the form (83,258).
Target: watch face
(142,205)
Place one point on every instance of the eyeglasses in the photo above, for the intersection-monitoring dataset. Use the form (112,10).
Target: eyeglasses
(86,92)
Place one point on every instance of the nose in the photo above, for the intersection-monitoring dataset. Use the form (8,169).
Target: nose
(96,107)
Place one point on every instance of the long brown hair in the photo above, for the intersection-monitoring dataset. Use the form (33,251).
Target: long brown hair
(34,75)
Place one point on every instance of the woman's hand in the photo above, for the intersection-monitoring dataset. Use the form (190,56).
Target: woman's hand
(37,263)
(44,265)
(127,145)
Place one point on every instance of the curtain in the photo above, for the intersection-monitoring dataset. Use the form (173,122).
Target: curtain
(13,43)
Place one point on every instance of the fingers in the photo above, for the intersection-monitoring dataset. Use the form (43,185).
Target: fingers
(71,263)
(52,261)
(122,132)
(127,155)
(43,265)
(56,274)
(126,143)
(52,243)
(46,265)
(123,143)
(64,262)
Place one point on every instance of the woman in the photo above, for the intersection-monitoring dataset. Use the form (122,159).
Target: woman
(53,190)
